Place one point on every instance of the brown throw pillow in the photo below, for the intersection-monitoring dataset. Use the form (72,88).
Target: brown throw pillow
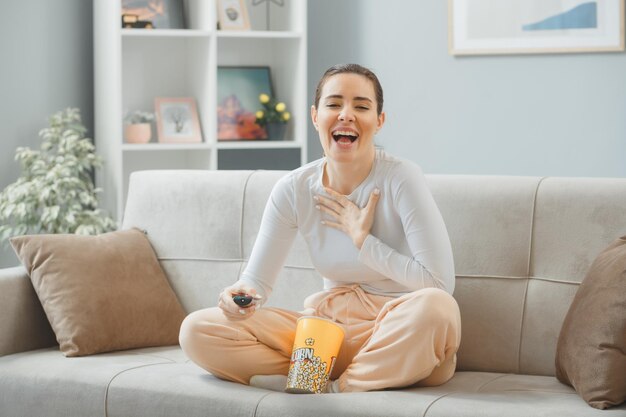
(101,293)
(591,350)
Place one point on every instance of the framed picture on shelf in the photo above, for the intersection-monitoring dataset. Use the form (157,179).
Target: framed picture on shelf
(238,91)
(480,27)
(177,120)
(153,14)
(232,15)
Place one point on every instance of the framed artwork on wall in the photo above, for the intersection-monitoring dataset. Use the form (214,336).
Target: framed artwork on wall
(177,120)
(238,91)
(153,14)
(481,27)
(232,15)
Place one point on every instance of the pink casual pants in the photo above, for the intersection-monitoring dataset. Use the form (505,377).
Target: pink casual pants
(389,342)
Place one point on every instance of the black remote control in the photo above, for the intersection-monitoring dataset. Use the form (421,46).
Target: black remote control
(242,300)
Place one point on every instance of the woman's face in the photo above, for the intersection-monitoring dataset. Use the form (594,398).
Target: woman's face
(346,118)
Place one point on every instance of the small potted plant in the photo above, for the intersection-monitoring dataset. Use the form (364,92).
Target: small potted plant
(273,117)
(138,128)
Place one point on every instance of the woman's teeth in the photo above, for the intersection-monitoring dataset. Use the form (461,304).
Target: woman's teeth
(344,136)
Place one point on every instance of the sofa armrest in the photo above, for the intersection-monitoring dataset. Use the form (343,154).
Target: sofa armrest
(23,323)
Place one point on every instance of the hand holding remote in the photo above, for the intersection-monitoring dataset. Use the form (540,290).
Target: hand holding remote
(239,301)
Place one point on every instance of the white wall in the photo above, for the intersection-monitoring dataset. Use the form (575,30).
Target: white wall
(556,115)
(46,66)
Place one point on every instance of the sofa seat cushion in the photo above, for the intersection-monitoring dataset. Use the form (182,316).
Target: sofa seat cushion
(466,394)
(46,383)
(141,382)
(179,389)
(162,382)
(510,395)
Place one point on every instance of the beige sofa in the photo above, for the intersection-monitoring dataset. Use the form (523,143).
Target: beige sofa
(521,246)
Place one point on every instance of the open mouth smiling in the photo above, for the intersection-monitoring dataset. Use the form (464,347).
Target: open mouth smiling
(345,136)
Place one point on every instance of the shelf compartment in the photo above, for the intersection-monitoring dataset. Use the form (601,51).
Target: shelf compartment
(281,55)
(170,67)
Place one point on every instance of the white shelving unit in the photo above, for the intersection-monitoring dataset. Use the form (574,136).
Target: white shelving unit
(133,66)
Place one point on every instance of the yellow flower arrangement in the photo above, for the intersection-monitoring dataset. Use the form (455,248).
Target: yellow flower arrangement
(273,111)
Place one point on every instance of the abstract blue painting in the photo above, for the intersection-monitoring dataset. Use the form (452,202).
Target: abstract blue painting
(479,27)
(584,16)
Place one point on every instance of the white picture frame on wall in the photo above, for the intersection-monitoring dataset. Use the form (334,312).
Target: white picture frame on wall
(482,27)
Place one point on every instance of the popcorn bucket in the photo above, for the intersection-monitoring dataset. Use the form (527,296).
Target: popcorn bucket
(315,350)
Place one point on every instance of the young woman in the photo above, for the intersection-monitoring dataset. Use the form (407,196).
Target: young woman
(376,235)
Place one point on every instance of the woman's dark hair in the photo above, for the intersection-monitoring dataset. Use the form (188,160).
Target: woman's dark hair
(351,69)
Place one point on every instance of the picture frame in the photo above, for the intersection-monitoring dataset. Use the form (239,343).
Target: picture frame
(238,90)
(232,15)
(177,120)
(153,14)
(484,27)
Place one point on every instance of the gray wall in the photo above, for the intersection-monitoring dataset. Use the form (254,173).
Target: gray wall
(47,65)
(558,115)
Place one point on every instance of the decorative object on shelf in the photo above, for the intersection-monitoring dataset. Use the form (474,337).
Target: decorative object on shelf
(238,91)
(148,14)
(279,3)
(138,128)
(477,27)
(177,120)
(131,21)
(232,15)
(273,117)
(55,193)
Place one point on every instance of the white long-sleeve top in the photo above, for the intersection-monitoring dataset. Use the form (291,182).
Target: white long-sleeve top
(408,247)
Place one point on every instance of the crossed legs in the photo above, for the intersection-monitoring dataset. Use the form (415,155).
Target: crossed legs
(390,342)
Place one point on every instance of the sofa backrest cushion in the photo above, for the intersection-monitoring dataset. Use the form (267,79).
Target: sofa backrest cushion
(521,247)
